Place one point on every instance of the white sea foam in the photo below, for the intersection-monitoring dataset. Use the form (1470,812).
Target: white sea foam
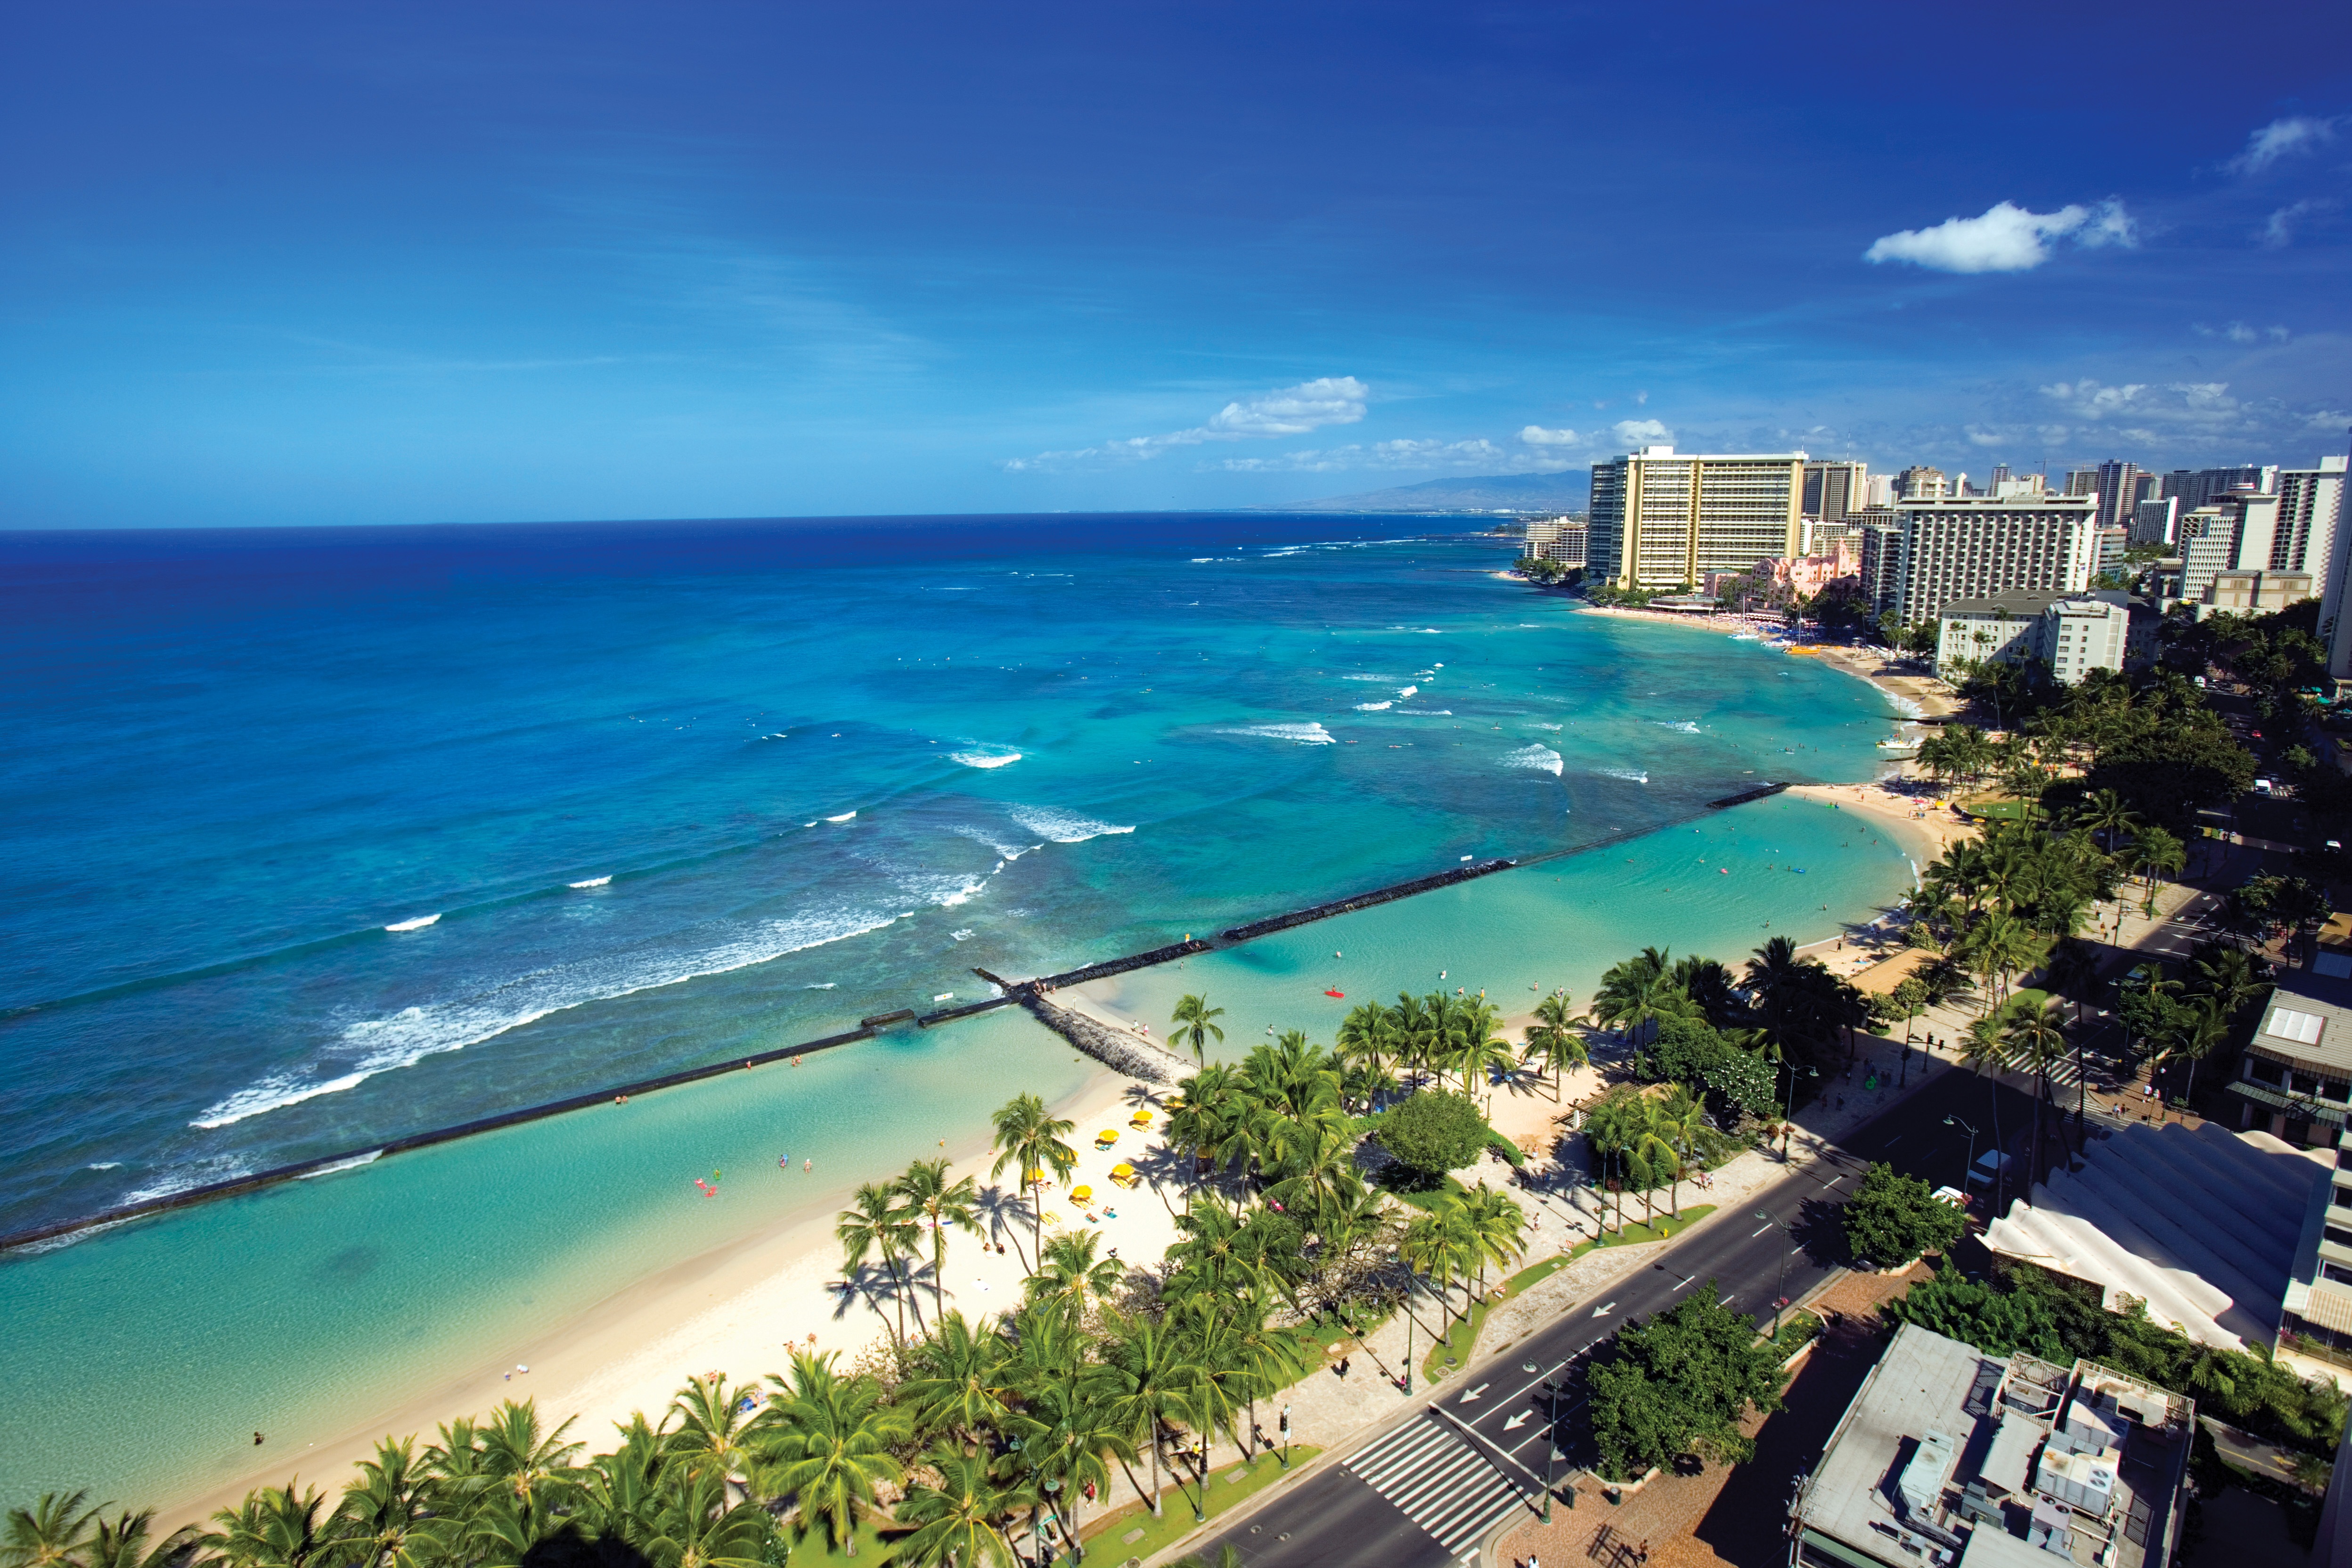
(1373,707)
(590,882)
(964,935)
(1542,757)
(845,816)
(200,1173)
(984,759)
(1408,690)
(372,1046)
(353,1163)
(1062,826)
(826,986)
(1629,774)
(1688,726)
(419,923)
(1308,734)
(1428,712)
(1383,680)
(1547,726)
(106,1166)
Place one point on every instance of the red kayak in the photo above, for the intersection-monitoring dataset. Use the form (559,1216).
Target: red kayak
(1339,993)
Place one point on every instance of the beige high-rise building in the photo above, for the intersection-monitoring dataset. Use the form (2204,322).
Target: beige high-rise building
(1661,520)
(1919,483)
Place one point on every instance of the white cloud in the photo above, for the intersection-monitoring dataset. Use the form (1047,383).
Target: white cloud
(1421,454)
(2278,230)
(1980,437)
(1536,436)
(2281,139)
(1640,399)
(1642,433)
(2005,239)
(2330,419)
(2201,406)
(1292,411)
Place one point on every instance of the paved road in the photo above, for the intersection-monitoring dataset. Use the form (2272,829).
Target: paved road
(1421,1493)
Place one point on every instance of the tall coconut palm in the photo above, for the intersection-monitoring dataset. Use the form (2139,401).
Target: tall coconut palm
(955,1518)
(1150,1386)
(1498,1227)
(714,1430)
(386,1509)
(1194,1023)
(2106,813)
(55,1532)
(624,1494)
(827,1440)
(961,1385)
(1029,1136)
(698,1528)
(1069,1272)
(1637,991)
(129,1541)
(2032,1042)
(1680,1120)
(941,1203)
(874,1222)
(1366,1039)
(1552,1039)
(274,1527)
(2156,854)
(1479,1047)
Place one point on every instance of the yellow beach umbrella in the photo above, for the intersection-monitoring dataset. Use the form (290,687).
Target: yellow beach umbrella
(1106,1136)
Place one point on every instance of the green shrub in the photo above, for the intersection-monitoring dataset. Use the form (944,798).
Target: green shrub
(1433,1132)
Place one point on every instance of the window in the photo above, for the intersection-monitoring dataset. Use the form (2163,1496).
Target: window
(2289,1025)
(2338,1272)
(2262,1070)
(2339,1236)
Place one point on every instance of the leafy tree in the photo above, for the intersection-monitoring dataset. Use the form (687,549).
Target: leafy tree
(1552,1039)
(957,1516)
(1680,1384)
(1193,1020)
(1997,1322)
(1433,1132)
(1893,1219)
(1029,1136)
(828,1441)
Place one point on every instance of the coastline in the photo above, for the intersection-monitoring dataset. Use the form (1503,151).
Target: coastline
(732,1307)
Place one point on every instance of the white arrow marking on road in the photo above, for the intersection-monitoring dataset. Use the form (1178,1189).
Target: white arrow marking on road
(1476,1392)
(1516,1422)
(1604,1312)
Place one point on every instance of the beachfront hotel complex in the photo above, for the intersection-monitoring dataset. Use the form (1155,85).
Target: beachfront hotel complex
(1971,548)
(1663,520)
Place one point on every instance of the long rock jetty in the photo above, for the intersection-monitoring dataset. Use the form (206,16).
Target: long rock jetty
(1115,1048)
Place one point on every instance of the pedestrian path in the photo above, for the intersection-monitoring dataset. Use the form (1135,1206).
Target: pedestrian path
(1429,1473)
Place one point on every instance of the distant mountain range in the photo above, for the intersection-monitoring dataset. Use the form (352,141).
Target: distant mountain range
(1501,493)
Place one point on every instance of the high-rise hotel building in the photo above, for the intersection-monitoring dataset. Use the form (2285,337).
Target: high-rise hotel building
(1983,545)
(1663,520)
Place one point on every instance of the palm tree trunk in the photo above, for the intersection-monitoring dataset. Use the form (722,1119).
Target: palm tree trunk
(1155,1468)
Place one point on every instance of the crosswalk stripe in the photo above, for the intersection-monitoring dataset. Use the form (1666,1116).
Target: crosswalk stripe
(1435,1479)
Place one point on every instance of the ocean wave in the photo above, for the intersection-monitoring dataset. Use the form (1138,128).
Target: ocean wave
(1542,757)
(984,759)
(1407,691)
(419,923)
(826,986)
(372,1045)
(845,816)
(199,1173)
(105,1165)
(1686,726)
(1428,712)
(1547,726)
(1308,734)
(353,1163)
(590,882)
(1383,680)
(1373,707)
(963,935)
(948,892)
(1062,826)
(1630,775)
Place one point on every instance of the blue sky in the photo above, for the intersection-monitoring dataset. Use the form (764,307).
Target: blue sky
(316,263)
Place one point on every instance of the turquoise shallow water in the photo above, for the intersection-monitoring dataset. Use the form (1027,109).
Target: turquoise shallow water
(245,760)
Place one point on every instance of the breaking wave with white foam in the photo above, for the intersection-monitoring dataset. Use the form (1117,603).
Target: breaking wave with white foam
(984,759)
(1630,775)
(374,1045)
(419,923)
(590,882)
(1308,734)
(1539,757)
(1373,707)
(1063,827)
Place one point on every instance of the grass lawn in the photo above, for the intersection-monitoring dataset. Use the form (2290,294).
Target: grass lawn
(1999,809)
(1131,1531)
(1426,1198)
(1462,1336)
(812,1544)
(1634,1234)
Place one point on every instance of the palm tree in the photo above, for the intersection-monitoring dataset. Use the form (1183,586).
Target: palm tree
(126,1542)
(2033,1043)
(1070,1272)
(1479,1047)
(2104,812)
(941,1203)
(1029,1136)
(829,1440)
(955,1518)
(1680,1120)
(874,1222)
(960,1383)
(272,1527)
(1552,1039)
(1151,1385)
(385,1511)
(1367,1037)
(1440,1245)
(1637,991)
(1193,1026)
(2155,854)
(55,1532)
(1776,977)
(714,1430)
(696,1528)
(1496,1225)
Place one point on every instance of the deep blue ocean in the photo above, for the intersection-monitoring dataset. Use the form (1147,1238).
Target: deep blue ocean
(320,837)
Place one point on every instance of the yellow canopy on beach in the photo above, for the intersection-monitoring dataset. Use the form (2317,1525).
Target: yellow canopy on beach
(1033,1176)
(1122,1172)
(1106,1136)
(1140,1119)
(1082,1194)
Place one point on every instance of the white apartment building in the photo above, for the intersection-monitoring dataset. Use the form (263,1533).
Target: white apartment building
(2156,521)
(1661,520)
(1560,539)
(1920,483)
(2209,546)
(2074,634)
(2310,515)
(1975,548)
(2252,592)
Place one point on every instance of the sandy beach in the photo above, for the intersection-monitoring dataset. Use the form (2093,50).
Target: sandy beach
(739,1310)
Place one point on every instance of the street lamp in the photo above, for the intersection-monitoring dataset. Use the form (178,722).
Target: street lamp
(1780,1299)
(1286,1436)
(1956,1122)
